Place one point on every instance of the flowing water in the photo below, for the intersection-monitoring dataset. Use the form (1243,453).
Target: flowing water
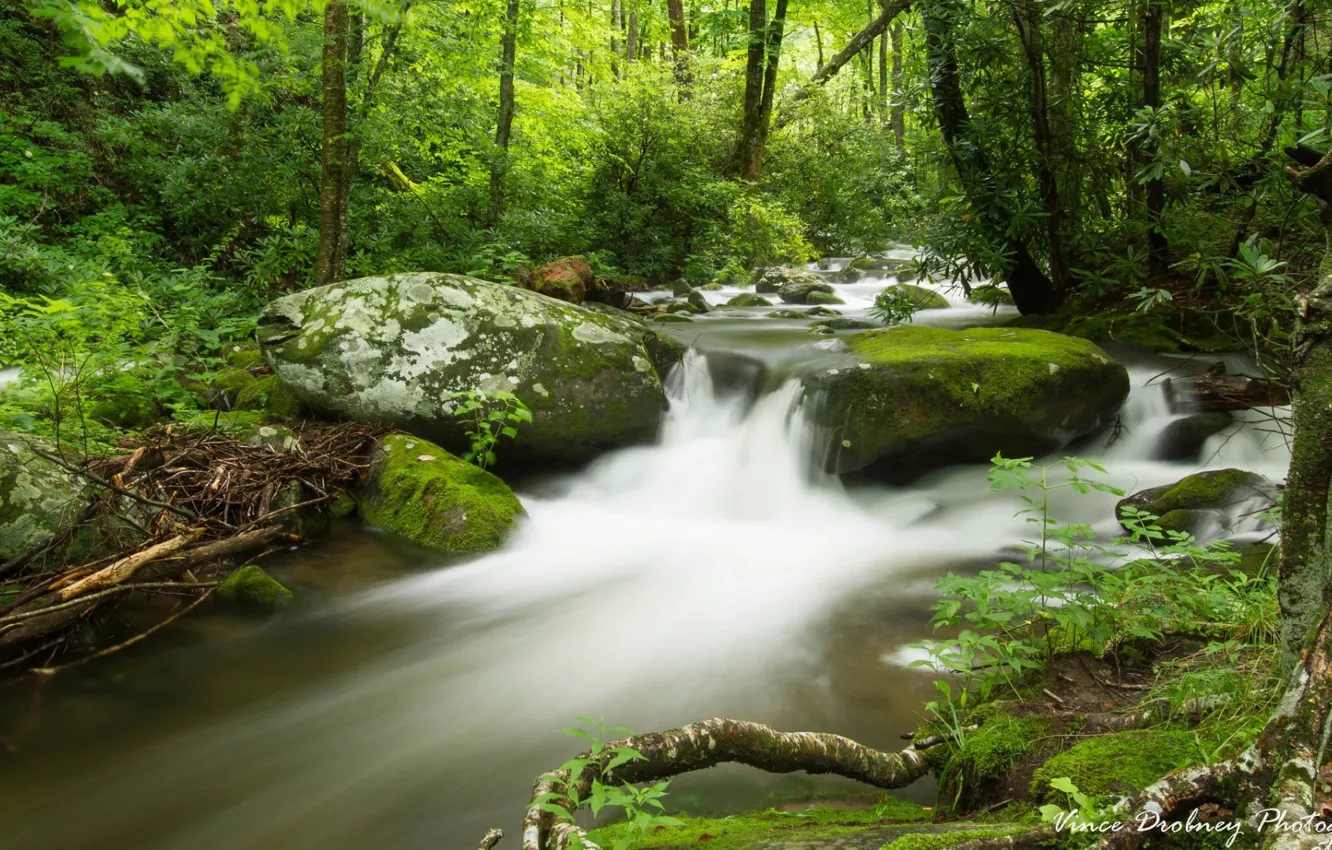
(413,700)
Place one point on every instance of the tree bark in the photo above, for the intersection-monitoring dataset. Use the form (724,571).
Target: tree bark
(749,150)
(504,122)
(898,106)
(708,743)
(772,58)
(1158,249)
(884,99)
(1027,18)
(1032,290)
(331,258)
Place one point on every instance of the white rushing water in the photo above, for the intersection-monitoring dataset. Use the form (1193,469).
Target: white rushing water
(713,573)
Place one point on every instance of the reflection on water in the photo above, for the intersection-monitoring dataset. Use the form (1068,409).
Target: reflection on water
(413,701)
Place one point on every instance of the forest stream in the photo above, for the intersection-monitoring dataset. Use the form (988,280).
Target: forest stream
(411,700)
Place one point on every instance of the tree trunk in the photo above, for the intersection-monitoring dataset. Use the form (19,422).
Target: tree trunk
(1158,250)
(331,259)
(884,99)
(1027,17)
(631,37)
(1064,53)
(617,26)
(504,123)
(1032,291)
(772,58)
(898,106)
(675,14)
(749,151)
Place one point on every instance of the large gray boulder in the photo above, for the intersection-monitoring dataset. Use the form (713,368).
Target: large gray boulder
(393,350)
(914,399)
(773,279)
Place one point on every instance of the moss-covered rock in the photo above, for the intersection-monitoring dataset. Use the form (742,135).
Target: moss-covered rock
(868,264)
(680,307)
(774,279)
(419,491)
(38,499)
(849,274)
(255,590)
(820,312)
(921,298)
(699,302)
(798,291)
(680,288)
(1117,764)
(845,324)
(568,279)
(672,317)
(244,354)
(819,297)
(711,287)
(235,388)
(395,349)
(748,299)
(1197,500)
(923,397)
(1180,330)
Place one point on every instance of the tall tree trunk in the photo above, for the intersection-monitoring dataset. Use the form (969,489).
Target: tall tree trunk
(749,150)
(504,123)
(884,98)
(631,37)
(1032,291)
(331,259)
(818,41)
(675,13)
(1158,250)
(772,58)
(617,26)
(1027,17)
(1064,52)
(898,106)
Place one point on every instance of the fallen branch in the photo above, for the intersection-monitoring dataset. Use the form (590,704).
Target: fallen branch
(708,743)
(126,567)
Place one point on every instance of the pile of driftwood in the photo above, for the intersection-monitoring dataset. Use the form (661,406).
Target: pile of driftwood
(170,516)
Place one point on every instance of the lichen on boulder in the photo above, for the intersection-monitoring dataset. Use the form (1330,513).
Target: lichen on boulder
(419,491)
(918,397)
(396,349)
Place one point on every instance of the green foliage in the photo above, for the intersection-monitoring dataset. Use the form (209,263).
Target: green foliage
(893,306)
(491,415)
(1119,763)
(1074,592)
(643,809)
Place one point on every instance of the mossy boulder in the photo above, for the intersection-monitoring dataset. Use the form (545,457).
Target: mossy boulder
(748,299)
(243,354)
(394,350)
(255,590)
(846,324)
(680,288)
(711,287)
(1199,500)
(672,317)
(235,388)
(819,297)
(1183,439)
(921,298)
(919,398)
(568,279)
(846,275)
(699,302)
(798,291)
(774,279)
(680,307)
(1117,764)
(820,312)
(419,491)
(873,264)
(38,499)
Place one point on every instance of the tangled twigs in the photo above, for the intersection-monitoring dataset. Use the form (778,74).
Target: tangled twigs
(238,496)
(712,742)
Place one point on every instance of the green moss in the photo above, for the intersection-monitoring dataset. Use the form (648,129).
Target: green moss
(671,317)
(743,831)
(921,298)
(419,491)
(241,389)
(1209,489)
(244,354)
(992,751)
(819,297)
(748,299)
(681,307)
(942,840)
(252,588)
(1120,763)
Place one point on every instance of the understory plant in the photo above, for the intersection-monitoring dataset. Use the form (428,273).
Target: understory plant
(1074,592)
(488,417)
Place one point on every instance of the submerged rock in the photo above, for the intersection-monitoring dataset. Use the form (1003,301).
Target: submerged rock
(921,298)
(845,324)
(419,491)
(921,398)
(1183,439)
(38,499)
(1202,501)
(569,279)
(253,589)
(394,350)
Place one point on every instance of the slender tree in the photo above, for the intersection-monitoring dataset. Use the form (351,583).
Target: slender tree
(331,256)
(504,121)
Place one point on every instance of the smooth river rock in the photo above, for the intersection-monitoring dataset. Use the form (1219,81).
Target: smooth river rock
(914,399)
(394,349)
